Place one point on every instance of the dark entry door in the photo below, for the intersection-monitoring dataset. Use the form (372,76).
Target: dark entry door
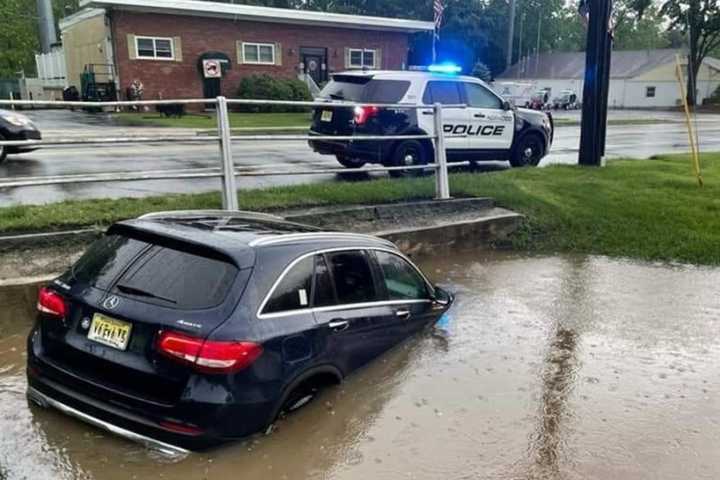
(315,63)
(211,87)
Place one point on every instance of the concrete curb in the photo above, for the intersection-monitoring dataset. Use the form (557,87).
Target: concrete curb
(429,226)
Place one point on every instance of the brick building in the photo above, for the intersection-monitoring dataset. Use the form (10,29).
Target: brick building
(175,46)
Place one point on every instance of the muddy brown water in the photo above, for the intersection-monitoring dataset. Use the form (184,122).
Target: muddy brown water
(552,367)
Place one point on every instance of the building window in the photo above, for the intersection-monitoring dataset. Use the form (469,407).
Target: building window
(259,53)
(155,48)
(650,92)
(362,58)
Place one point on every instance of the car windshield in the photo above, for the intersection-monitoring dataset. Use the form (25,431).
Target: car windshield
(356,88)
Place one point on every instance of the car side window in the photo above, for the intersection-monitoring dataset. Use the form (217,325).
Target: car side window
(293,291)
(444,92)
(352,277)
(402,281)
(480,97)
(323,290)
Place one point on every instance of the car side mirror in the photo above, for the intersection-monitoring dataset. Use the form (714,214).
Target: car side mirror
(441,297)
(506,105)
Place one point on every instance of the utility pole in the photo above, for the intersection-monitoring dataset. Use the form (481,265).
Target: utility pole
(520,41)
(511,34)
(537,47)
(597,82)
(46,24)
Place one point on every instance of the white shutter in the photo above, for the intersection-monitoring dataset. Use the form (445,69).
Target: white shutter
(378,59)
(347,58)
(278,54)
(177,48)
(132,47)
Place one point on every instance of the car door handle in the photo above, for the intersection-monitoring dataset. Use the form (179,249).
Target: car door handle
(479,115)
(404,314)
(338,325)
(428,112)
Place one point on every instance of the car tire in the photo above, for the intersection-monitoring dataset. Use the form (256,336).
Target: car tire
(3,149)
(350,162)
(528,152)
(409,153)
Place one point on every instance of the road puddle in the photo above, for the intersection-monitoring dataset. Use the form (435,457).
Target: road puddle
(549,367)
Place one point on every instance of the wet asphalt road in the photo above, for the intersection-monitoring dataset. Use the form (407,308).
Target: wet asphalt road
(638,141)
(552,368)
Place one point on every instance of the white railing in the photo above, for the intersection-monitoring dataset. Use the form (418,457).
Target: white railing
(226,169)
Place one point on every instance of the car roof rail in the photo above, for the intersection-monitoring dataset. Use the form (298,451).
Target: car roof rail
(311,236)
(208,213)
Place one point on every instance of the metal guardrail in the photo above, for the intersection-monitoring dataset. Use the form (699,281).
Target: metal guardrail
(227,171)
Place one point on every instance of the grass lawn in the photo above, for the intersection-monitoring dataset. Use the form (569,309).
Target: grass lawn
(207,121)
(647,209)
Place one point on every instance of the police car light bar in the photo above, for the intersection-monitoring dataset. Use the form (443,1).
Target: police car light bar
(444,68)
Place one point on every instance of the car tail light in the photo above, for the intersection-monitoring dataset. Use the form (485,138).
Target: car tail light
(51,303)
(206,355)
(363,114)
(181,428)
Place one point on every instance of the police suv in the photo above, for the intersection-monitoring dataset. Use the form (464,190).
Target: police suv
(479,125)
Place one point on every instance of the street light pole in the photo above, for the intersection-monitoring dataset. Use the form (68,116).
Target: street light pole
(511,34)
(46,25)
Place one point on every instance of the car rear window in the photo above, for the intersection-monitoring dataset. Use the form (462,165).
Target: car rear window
(155,273)
(181,279)
(355,88)
(105,259)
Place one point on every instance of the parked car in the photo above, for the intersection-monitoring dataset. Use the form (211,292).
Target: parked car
(15,126)
(567,100)
(183,330)
(539,100)
(479,124)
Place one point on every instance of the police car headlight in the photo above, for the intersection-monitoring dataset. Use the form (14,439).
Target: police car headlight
(17,119)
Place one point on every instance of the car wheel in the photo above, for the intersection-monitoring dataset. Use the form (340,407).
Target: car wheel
(409,153)
(349,162)
(528,152)
(3,149)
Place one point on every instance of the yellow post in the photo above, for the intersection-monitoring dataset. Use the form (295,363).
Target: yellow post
(691,132)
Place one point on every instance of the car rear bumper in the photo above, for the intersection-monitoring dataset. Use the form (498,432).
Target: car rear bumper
(201,419)
(368,150)
(46,401)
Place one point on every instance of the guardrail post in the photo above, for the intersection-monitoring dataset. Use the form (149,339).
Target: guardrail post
(229,187)
(442,184)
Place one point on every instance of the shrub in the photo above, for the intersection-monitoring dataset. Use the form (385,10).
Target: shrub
(265,87)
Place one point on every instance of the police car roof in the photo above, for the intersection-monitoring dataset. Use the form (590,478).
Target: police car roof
(237,234)
(406,75)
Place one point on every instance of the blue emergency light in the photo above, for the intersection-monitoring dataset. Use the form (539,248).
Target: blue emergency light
(450,68)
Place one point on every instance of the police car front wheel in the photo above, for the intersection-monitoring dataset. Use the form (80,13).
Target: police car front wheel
(528,152)
(410,153)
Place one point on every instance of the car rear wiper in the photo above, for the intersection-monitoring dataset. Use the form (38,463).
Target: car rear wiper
(142,293)
(336,97)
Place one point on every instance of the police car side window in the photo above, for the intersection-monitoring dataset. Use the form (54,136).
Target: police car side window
(446,93)
(480,97)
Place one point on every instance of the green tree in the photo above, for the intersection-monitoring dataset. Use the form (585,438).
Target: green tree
(699,21)
(18,37)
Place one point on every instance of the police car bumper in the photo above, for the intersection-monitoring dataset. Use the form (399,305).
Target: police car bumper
(369,150)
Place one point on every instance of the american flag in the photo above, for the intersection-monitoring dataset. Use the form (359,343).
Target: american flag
(438,10)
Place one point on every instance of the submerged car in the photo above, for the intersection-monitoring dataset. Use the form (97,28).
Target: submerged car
(15,126)
(183,330)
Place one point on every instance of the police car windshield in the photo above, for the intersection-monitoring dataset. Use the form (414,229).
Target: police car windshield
(356,88)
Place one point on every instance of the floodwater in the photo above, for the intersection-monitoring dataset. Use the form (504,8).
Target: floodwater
(551,368)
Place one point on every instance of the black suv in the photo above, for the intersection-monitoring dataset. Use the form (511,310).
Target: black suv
(186,329)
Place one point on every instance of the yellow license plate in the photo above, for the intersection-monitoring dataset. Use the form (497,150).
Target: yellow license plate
(110,331)
(326,116)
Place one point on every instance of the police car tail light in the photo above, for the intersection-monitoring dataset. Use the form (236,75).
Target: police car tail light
(363,114)
(208,356)
(51,303)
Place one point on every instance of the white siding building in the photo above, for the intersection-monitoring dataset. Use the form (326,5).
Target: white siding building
(638,78)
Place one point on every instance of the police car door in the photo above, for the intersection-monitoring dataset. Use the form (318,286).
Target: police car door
(491,126)
(455,120)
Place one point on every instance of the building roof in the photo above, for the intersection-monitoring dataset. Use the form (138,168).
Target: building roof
(262,14)
(571,65)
